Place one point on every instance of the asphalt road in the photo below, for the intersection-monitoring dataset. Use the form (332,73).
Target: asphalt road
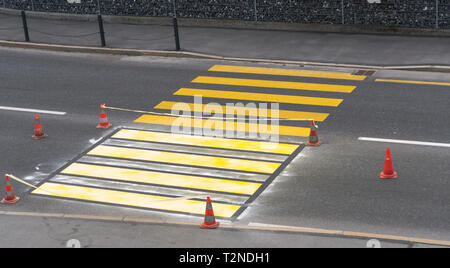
(59,233)
(335,186)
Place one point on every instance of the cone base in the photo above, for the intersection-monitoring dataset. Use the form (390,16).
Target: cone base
(209,225)
(39,137)
(387,176)
(308,143)
(104,126)
(12,201)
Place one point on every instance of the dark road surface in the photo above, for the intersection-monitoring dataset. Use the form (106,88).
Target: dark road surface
(335,186)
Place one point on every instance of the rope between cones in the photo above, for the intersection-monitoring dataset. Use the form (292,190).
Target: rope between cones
(26,183)
(192,117)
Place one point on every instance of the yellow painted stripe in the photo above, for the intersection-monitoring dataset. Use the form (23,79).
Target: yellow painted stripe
(285,72)
(261,97)
(159,178)
(224,125)
(284,114)
(186,159)
(233,144)
(413,82)
(273,84)
(133,199)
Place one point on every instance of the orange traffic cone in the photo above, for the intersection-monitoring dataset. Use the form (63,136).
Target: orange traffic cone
(103,118)
(210,220)
(38,132)
(10,198)
(388,172)
(313,137)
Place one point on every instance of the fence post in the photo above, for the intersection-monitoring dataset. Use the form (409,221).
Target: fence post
(32,5)
(175,27)
(25,26)
(102,31)
(255,6)
(99,7)
(437,14)
(4,3)
(343,12)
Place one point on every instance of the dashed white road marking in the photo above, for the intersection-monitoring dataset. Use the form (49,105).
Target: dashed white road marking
(37,111)
(421,143)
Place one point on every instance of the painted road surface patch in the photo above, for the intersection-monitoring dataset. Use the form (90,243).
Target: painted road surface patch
(161,171)
(126,176)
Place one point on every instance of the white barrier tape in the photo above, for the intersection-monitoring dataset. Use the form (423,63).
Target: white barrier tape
(26,183)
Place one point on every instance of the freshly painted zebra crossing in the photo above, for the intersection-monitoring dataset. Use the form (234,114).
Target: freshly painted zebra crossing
(144,168)
(133,199)
(185,159)
(128,175)
(247,145)
(160,178)
(281,93)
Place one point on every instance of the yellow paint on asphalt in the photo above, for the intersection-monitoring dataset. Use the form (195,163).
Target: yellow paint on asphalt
(233,144)
(413,82)
(160,178)
(273,84)
(186,159)
(133,199)
(221,109)
(211,124)
(261,97)
(285,72)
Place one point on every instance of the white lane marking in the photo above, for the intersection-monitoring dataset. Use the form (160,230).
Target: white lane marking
(435,144)
(31,110)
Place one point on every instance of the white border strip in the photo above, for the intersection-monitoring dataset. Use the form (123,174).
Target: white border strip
(31,110)
(435,144)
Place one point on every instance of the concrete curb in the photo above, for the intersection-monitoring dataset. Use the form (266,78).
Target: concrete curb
(186,54)
(252,227)
(239,24)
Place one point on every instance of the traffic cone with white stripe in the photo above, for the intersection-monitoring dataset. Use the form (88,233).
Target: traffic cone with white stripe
(10,198)
(388,171)
(103,118)
(38,131)
(313,136)
(210,220)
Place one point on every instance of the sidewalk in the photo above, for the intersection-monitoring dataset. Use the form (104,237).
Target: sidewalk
(358,49)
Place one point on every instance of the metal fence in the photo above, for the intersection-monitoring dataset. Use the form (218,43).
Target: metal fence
(406,13)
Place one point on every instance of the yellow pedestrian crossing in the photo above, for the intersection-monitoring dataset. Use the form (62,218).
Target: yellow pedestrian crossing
(236,110)
(156,170)
(92,181)
(285,72)
(234,144)
(260,97)
(273,84)
(133,199)
(160,178)
(186,159)
(224,125)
